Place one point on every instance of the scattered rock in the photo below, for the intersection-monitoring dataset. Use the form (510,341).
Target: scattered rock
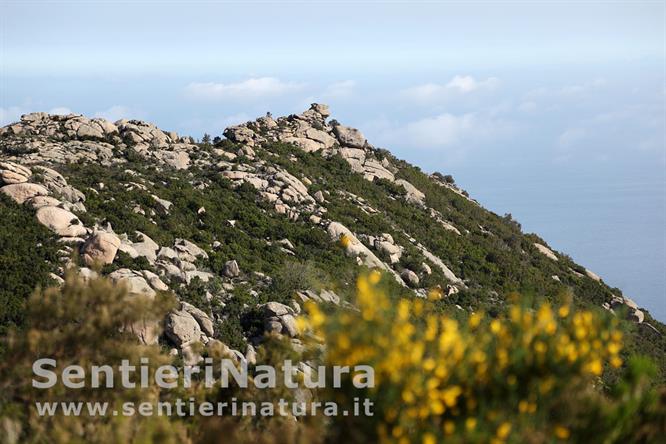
(545,251)
(20,192)
(181,328)
(100,248)
(410,278)
(231,269)
(61,221)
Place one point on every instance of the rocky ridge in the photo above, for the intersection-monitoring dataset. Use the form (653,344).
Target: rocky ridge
(34,149)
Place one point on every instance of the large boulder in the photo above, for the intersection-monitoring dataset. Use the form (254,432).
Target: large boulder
(11,173)
(134,280)
(349,136)
(146,247)
(410,277)
(100,248)
(181,328)
(231,269)
(20,192)
(413,194)
(545,251)
(62,222)
(204,321)
(353,246)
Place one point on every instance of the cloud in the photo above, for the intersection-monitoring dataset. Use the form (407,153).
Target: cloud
(339,90)
(118,112)
(11,114)
(457,133)
(457,85)
(250,89)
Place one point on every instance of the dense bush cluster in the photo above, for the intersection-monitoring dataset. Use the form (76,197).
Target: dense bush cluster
(27,256)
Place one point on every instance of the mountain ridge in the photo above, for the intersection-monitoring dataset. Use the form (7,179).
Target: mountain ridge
(282,210)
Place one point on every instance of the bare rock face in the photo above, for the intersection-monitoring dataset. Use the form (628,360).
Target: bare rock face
(100,248)
(545,251)
(181,328)
(410,277)
(134,280)
(12,173)
(204,321)
(349,136)
(414,195)
(280,319)
(231,269)
(61,221)
(353,246)
(20,192)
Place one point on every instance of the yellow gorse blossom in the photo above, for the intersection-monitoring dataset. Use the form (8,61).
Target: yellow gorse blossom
(441,369)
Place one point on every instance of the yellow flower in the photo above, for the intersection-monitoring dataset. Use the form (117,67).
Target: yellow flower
(562,432)
(345,240)
(429,438)
(475,319)
(449,427)
(595,367)
(563,312)
(374,277)
(504,430)
(470,423)
(450,395)
(616,362)
(435,294)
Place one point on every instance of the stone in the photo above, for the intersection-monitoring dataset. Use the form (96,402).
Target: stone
(231,269)
(319,196)
(410,277)
(276,309)
(201,317)
(545,251)
(181,328)
(321,109)
(43,201)
(146,247)
(592,275)
(349,136)
(61,221)
(413,194)
(20,192)
(154,281)
(12,173)
(133,280)
(189,251)
(100,248)
(354,247)
(289,326)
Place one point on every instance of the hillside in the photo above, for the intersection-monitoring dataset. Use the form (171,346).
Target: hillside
(247,227)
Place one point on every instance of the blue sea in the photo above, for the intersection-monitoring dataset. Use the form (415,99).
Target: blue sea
(614,227)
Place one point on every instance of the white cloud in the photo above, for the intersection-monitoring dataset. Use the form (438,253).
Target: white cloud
(466,84)
(250,89)
(339,90)
(456,133)
(457,85)
(11,114)
(118,112)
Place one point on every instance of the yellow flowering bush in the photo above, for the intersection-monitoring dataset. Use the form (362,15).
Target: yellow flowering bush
(515,378)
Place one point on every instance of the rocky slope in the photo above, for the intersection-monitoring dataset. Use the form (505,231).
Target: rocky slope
(280,211)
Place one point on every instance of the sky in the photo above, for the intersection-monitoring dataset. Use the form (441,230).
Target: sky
(551,111)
